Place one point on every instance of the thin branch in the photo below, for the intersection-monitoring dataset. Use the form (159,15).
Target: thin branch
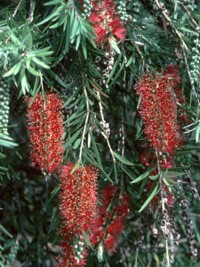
(16,9)
(163,9)
(160,176)
(167,253)
(85,126)
(190,15)
(104,127)
(123,138)
(31,11)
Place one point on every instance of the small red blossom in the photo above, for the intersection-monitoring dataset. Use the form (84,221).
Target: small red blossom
(106,21)
(45,125)
(78,198)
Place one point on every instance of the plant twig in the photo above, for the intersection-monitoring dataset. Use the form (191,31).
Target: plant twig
(16,9)
(104,127)
(163,9)
(85,126)
(191,17)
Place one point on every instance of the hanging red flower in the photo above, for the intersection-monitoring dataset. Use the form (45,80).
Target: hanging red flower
(106,21)
(45,125)
(78,201)
(78,198)
(158,110)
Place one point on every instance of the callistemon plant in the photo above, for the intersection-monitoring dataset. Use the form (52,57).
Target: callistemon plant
(158,109)
(45,125)
(106,22)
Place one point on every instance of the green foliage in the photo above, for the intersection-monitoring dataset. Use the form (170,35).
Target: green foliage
(50,46)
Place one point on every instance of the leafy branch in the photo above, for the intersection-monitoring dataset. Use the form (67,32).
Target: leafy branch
(75,28)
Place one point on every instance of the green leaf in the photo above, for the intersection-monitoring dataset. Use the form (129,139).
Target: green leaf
(84,48)
(100,253)
(122,159)
(197,134)
(77,143)
(33,72)
(78,40)
(72,139)
(86,239)
(2,156)
(67,39)
(53,2)
(173,174)
(13,71)
(6,141)
(130,60)
(74,29)
(96,152)
(142,176)
(40,63)
(3,169)
(24,83)
(150,197)
(115,47)
(153,177)
(5,231)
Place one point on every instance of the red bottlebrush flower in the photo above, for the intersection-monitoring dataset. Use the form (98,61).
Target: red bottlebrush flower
(109,224)
(106,21)
(78,198)
(158,110)
(45,125)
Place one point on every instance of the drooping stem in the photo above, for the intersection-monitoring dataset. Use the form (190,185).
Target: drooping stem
(85,125)
(104,133)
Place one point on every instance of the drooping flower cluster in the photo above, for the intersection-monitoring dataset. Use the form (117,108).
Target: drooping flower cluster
(158,110)
(45,125)
(110,220)
(78,206)
(78,197)
(106,21)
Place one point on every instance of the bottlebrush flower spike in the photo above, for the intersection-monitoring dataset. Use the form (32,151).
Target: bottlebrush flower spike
(109,224)
(106,21)
(158,110)
(45,125)
(78,198)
